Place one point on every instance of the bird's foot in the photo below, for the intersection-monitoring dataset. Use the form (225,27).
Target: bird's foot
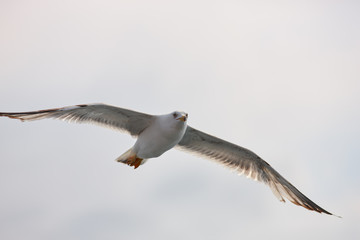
(134,161)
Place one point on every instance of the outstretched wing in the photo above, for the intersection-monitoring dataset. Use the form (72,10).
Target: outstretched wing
(105,115)
(245,162)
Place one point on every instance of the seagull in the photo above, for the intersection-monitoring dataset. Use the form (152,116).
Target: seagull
(157,134)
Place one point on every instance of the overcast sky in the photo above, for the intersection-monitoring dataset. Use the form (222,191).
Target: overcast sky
(278,77)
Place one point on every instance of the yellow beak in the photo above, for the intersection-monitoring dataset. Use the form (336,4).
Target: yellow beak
(182,118)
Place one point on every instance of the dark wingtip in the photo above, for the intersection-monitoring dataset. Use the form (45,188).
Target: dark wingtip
(11,116)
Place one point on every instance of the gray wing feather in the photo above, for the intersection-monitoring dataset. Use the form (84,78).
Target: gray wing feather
(105,115)
(245,162)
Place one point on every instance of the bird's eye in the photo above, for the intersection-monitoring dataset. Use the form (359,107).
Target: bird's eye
(174,115)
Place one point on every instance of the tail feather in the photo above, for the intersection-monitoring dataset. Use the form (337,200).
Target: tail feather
(130,158)
(124,157)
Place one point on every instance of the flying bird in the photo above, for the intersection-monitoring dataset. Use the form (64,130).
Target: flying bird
(157,134)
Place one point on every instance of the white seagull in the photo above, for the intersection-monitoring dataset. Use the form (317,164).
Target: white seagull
(157,134)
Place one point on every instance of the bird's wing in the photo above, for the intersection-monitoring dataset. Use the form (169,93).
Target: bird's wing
(105,115)
(245,162)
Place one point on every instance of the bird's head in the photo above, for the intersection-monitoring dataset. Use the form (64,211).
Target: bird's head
(180,116)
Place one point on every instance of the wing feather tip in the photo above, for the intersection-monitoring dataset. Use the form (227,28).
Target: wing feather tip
(12,116)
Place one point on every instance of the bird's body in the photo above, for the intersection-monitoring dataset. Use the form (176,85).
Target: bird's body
(159,133)
(161,136)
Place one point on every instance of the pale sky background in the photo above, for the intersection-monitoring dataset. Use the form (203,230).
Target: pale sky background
(281,78)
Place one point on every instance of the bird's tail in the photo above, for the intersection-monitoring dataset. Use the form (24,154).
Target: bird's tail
(130,158)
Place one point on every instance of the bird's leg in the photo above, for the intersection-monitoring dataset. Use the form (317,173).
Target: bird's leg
(137,162)
(134,161)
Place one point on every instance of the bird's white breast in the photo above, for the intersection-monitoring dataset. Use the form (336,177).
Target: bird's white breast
(163,134)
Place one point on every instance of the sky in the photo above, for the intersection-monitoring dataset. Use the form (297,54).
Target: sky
(281,78)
